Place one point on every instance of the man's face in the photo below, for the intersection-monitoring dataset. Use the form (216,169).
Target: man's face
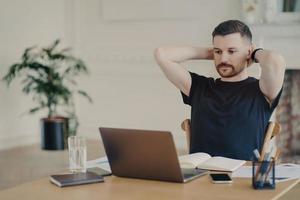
(230,54)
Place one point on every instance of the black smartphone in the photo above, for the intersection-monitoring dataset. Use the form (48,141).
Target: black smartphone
(221,178)
(99,171)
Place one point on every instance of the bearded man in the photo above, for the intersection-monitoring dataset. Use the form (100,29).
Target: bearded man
(230,114)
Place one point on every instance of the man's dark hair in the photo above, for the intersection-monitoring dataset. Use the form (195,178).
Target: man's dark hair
(233,26)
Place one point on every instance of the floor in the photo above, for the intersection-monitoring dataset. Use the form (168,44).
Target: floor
(28,163)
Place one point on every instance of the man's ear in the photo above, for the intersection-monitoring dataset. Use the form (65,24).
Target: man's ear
(249,53)
(250,50)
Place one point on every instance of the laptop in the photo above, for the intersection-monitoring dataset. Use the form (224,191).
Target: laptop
(145,154)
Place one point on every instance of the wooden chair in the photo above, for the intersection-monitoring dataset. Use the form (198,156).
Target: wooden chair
(186,127)
(270,140)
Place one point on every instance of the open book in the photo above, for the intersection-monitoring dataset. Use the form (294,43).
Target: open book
(205,161)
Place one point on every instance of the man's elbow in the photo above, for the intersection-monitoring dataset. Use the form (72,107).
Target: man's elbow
(277,61)
(159,54)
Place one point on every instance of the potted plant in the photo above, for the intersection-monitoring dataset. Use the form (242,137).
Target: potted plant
(49,77)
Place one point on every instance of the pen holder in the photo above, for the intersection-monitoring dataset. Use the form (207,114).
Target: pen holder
(263,174)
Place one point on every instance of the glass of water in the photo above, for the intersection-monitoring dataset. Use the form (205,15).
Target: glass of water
(77,154)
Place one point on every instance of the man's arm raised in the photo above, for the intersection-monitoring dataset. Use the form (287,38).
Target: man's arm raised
(272,72)
(170,58)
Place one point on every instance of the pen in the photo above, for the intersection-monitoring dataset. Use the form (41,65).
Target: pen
(265,176)
(263,169)
(278,151)
(256,154)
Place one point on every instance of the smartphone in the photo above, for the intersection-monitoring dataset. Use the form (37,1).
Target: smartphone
(99,171)
(221,178)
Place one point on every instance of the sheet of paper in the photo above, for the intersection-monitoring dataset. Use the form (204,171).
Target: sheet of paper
(100,162)
(283,172)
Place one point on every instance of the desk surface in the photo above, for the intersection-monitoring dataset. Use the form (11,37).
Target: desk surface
(34,164)
(125,188)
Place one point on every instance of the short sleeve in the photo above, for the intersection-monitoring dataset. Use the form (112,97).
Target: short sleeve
(197,82)
(275,102)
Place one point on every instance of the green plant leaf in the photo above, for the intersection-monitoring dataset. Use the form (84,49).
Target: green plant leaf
(12,73)
(83,93)
(26,55)
(34,110)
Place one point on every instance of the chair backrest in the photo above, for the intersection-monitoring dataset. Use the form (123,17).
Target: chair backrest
(271,136)
(186,126)
(270,139)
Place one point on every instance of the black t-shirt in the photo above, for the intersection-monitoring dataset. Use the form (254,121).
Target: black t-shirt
(227,118)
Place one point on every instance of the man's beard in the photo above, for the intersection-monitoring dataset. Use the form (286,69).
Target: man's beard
(228,71)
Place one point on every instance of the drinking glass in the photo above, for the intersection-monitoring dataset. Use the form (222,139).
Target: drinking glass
(77,154)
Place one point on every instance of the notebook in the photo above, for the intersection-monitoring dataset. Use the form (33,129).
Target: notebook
(63,180)
(145,154)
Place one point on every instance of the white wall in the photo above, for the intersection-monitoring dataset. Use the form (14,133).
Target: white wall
(117,41)
(24,24)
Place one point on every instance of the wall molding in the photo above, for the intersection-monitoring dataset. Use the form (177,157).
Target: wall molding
(117,10)
(280,37)
(277,30)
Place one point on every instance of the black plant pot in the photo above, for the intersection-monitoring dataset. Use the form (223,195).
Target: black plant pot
(54,133)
